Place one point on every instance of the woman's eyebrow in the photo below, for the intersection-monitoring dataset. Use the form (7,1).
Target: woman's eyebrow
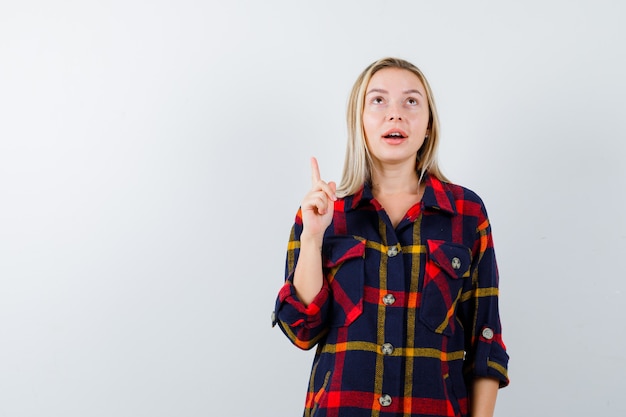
(382,91)
(377,90)
(414,91)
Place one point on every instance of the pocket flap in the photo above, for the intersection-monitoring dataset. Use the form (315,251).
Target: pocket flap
(338,249)
(454,259)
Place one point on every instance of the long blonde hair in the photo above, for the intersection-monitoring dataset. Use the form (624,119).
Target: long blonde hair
(358,161)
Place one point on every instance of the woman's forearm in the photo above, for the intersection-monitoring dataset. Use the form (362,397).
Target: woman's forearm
(308,277)
(483,400)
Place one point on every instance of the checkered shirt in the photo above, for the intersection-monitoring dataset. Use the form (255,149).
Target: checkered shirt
(407,316)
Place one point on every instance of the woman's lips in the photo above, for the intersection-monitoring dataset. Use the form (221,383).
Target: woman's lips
(394,141)
(395,133)
(394,136)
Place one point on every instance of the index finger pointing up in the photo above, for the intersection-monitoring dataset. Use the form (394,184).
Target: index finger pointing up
(315,171)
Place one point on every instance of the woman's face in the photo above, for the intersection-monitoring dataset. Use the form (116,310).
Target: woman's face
(395,116)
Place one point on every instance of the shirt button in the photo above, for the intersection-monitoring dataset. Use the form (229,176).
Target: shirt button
(392,251)
(389,299)
(387,348)
(385,400)
(456,263)
(487,333)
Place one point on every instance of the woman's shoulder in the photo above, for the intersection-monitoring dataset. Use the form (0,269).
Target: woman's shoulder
(460,191)
(462,198)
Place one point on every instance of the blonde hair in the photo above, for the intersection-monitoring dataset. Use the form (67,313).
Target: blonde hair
(358,161)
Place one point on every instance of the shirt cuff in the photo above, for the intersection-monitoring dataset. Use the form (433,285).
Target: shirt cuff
(491,359)
(294,313)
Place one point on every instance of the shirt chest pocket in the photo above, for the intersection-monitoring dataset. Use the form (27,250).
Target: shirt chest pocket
(447,267)
(344,268)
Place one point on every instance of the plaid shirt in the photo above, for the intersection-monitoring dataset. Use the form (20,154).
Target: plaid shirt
(407,317)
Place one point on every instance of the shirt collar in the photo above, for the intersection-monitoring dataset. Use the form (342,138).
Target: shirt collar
(436,196)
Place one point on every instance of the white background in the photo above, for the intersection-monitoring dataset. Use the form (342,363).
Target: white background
(153,155)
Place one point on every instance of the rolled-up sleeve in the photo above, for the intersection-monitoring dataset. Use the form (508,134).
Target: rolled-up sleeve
(303,324)
(486,353)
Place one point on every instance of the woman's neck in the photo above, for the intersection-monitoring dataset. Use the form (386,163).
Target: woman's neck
(390,180)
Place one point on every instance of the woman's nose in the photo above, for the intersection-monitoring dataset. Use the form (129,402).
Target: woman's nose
(394,114)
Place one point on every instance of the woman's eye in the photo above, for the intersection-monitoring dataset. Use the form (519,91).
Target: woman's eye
(377,100)
(411,101)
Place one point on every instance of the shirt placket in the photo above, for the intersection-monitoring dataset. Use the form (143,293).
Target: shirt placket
(391,342)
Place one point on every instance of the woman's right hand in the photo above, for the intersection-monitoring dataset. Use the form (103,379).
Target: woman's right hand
(317,206)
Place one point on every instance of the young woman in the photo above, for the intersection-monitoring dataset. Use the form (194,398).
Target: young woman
(392,275)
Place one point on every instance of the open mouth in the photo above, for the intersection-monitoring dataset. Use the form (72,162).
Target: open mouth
(395,134)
